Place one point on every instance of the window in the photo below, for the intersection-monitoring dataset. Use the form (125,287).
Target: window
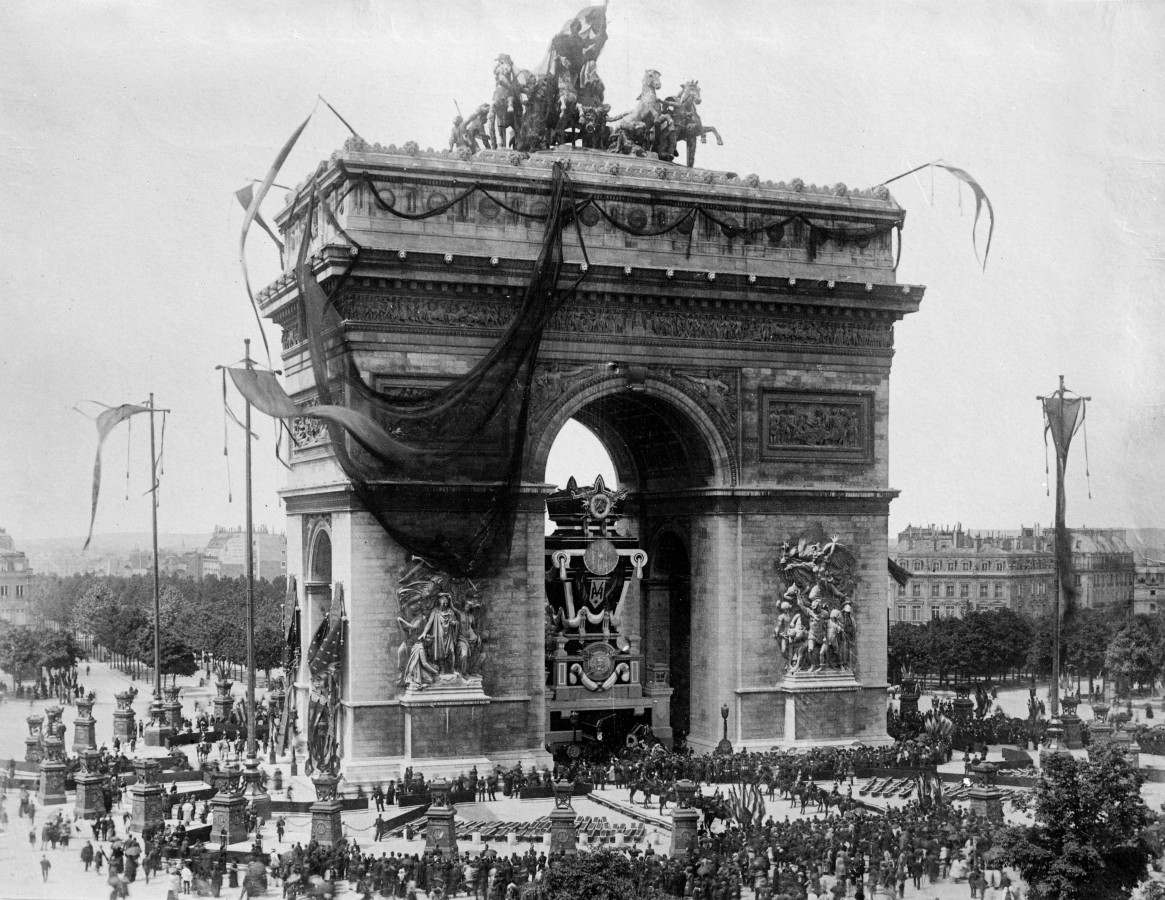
(950,590)
(983,589)
(999,590)
(20,590)
(915,613)
(967,565)
(901,590)
(1043,588)
(901,613)
(951,566)
(3,590)
(916,590)
(964,590)
(934,588)
(999,566)
(934,612)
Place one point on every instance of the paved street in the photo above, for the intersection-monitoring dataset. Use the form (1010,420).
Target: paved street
(20,871)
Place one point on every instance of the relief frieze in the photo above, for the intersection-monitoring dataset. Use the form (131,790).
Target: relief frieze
(835,425)
(631,321)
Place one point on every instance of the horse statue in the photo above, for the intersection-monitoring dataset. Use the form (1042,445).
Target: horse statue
(637,126)
(505,112)
(686,120)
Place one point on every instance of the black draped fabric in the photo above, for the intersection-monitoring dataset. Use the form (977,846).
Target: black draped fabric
(494,395)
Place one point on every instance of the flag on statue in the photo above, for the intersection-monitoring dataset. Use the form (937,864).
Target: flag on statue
(579,43)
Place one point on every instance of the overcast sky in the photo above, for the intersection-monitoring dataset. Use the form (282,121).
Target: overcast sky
(126,128)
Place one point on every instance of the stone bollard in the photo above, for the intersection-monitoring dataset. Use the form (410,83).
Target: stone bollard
(84,727)
(146,793)
(90,796)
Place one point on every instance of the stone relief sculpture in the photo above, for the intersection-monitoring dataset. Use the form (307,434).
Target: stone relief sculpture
(815,627)
(439,621)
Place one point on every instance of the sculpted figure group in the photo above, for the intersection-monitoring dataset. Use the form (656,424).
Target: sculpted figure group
(439,624)
(815,627)
(565,105)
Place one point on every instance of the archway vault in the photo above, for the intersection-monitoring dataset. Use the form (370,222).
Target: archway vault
(659,435)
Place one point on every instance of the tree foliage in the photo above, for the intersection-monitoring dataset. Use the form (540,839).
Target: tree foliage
(1135,653)
(980,645)
(194,617)
(1088,841)
(602,875)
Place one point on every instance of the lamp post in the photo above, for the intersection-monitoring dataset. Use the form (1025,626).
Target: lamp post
(724,748)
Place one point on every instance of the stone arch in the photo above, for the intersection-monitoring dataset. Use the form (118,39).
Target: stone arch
(684,439)
(319,560)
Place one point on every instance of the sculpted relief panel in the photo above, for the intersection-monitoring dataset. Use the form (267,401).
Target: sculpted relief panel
(634,321)
(819,425)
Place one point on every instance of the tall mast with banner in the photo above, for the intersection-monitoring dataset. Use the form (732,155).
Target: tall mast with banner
(1063,416)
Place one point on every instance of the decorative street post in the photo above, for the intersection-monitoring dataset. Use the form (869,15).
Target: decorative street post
(684,819)
(563,827)
(1062,417)
(724,748)
(440,829)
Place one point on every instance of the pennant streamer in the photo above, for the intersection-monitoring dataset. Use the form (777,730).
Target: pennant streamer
(245,196)
(253,211)
(106,422)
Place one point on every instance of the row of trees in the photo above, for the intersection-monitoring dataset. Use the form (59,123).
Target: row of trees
(195,618)
(28,653)
(1002,643)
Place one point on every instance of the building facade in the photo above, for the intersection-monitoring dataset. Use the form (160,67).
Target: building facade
(1105,571)
(954,571)
(1149,590)
(15,582)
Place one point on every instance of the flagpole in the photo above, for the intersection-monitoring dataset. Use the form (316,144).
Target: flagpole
(250,577)
(157,579)
(252,778)
(1060,532)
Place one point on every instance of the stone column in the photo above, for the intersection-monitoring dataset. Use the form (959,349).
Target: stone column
(90,796)
(52,773)
(146,795)
(227,809)
(327,828)
(563,827)
(172,707)
(84,727)
(440,829)
(124,720)
(223,703)
(33,751)
(685,820)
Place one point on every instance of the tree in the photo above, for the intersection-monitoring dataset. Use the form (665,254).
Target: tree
(1087,638)
(176,658)
(1135,653)
(19,651)
(1088,841)
(58,652)
(603,875)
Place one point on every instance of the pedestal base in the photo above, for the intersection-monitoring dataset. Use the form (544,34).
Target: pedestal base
(157,735)
(124,725)
(173,715)
(227,818)
(148,807)
(820,705)
(986,802)
(32,750)
(1073,739)
(253,791)
(327,828)
(90,797)
(441,831)
(685,823)
(52,783)
(563,831)
(444,721)
(84,734)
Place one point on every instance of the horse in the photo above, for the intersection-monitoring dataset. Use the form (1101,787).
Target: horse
(506,109)
(688,126)
(642,119)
